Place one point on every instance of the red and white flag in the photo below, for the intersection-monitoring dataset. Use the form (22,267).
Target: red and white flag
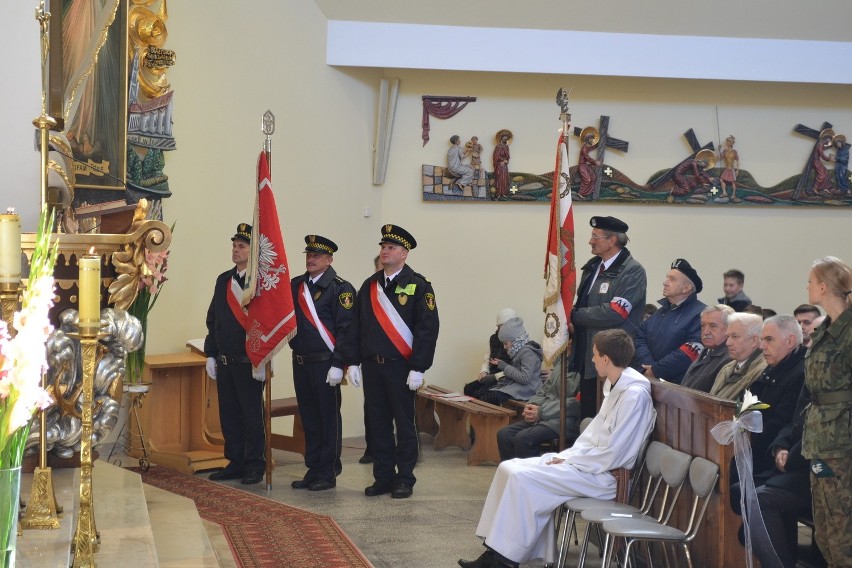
(559,268)
(271,315)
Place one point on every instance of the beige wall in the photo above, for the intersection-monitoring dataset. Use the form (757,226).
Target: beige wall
(233,65)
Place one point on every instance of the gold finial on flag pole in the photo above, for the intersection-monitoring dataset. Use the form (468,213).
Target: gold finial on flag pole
(268,128)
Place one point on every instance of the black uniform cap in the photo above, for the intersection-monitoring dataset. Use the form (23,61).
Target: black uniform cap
(608,224)
(684,266)
(398,236)
(243,233)
(316,243)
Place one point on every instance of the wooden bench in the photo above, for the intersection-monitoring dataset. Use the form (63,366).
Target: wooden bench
(296,442)
(451,426)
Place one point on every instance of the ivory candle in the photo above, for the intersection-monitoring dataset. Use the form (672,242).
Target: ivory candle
(89,285)
(10,248)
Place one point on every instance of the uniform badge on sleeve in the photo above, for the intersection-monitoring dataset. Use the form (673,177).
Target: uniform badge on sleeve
(430,301)
(346,300)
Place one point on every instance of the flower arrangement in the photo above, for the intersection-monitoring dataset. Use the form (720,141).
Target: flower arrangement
(23,358)
(151,282)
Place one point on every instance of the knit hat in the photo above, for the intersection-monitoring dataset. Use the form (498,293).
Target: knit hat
(512,329)
(505,315)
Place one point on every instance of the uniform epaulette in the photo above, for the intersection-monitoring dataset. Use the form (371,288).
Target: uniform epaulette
(423,277)
(339,279)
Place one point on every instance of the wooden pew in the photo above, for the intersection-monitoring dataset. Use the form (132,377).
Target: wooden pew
(684,420)
(451,427)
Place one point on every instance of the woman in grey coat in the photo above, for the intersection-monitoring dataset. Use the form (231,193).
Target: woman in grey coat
(519,379)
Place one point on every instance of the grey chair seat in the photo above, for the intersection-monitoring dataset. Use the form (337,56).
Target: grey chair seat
(587,503)
(611,514)
(644,529)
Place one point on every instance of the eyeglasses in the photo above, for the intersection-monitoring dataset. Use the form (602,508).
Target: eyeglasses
(596,237)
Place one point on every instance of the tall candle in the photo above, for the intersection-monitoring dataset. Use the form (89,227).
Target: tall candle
(90,290)
(10,248)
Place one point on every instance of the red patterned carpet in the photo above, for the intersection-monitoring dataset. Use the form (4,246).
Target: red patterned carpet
(263,533)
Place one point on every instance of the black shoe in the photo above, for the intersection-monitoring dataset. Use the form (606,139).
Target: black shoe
(366,458)
(485,560)
(302,483)
(377,489)
(322,485)
(225,474)
(252,477)
(401,491)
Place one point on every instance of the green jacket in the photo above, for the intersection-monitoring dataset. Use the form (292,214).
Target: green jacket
(828,372)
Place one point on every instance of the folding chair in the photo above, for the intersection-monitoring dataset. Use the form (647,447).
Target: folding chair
(626,483)
(703,475)
(674,466)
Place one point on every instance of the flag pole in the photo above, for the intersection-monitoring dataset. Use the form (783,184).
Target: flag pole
(268,128)
(565,117)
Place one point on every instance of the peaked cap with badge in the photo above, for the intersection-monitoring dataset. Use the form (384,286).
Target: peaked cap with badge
(397,235)
(243,233)
(317,243)
(608,224)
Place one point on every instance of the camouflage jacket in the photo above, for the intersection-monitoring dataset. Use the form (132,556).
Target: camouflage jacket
(828,372)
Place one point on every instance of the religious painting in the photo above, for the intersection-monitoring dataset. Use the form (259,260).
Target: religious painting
(94,76)
(704,175)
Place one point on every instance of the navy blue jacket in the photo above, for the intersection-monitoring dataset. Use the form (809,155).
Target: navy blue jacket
(670,340)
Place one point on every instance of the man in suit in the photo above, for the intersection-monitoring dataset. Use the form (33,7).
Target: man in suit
(714,328)
(240,392)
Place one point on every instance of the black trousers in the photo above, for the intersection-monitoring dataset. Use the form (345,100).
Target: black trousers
(780,508)
(390,403)
(241,415)
(522,439)
(319,408)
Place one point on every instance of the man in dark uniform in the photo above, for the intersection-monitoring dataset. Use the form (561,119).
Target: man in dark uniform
(392,336)
(324,303)
(240,393)
(611,295)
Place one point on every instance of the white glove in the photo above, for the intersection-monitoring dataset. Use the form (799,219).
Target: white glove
(335,375)
(259,374)
(211,368)
(353,375)
(415,380)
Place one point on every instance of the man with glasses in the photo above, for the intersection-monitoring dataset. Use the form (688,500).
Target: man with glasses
(611,295)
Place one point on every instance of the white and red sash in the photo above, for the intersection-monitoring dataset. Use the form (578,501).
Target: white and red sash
(235,295)
(310,311)
(390,321)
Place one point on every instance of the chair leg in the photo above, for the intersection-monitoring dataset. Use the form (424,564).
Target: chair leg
(565,535)
(585,546)
(686,552)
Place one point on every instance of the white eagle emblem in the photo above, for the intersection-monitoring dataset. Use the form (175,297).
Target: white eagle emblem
(268,276)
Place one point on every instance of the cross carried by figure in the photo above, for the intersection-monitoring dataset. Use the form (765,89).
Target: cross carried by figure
(806,172)
(695,146)
(606,141)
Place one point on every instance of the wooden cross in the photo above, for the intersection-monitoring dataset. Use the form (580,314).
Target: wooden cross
(694,145)
(605,142)
(806,172)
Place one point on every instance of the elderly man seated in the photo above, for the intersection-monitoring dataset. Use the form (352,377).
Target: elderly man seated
(779,384)
(747,360)
(669,341)
(714,329)
(523,439)
(517,521)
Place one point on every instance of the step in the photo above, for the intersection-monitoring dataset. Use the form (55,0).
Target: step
(179,532)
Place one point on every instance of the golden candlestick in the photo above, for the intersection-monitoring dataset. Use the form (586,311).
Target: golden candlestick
(9,303)
(86,541)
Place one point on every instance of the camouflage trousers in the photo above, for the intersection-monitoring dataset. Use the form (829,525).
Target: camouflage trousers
(832,498)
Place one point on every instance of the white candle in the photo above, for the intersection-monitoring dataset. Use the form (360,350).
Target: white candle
(10,248)
(89,285)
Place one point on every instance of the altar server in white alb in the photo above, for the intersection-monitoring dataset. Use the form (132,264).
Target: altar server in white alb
(516,521)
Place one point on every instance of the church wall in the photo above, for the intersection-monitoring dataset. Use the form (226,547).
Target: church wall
(233,65)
